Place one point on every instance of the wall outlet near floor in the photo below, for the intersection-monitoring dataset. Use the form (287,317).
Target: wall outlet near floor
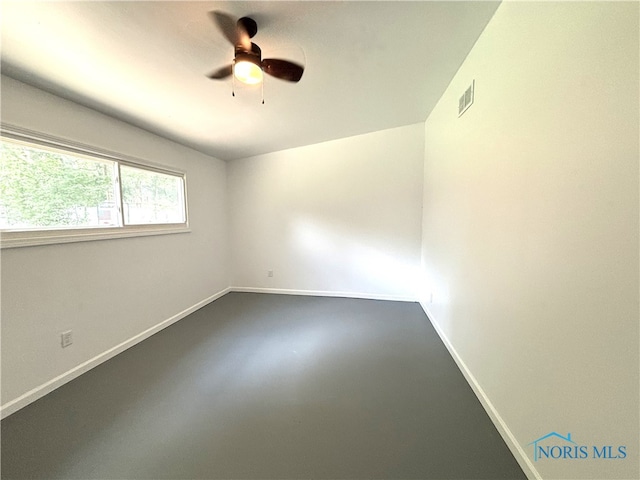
(269,273)
(66,338)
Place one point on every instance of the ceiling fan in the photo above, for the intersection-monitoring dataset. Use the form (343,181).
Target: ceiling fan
(248,65)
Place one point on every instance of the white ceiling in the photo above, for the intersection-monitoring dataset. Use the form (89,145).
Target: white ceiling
(369,65)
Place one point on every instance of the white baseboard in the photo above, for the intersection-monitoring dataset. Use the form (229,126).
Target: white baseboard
(519,454)
(40,391)
(324,293)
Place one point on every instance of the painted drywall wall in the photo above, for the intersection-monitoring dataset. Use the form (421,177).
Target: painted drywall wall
(530,228)
(104,291)
(342,216)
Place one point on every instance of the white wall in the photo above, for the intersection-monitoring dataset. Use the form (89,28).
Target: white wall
(530,228)
(341,216)
(105,291)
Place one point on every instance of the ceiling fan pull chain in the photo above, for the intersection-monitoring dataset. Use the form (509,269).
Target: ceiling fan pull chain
(233,81)
(262,91)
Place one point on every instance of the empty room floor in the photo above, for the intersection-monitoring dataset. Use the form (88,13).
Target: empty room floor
(267,386)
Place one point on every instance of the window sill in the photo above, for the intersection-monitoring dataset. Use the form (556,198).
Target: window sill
(14,239)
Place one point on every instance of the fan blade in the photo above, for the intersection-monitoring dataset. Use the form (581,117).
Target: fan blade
(232,30)
(282,69)
(226,24)
(221,73)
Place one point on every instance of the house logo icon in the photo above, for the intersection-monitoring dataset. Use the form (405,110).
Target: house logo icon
(566,439)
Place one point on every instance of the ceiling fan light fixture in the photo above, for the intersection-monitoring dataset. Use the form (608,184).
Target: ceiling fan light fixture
(247,72)
(247,66)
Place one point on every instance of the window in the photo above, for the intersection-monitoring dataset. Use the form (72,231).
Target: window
(151,197)
(53,191)
(43,189)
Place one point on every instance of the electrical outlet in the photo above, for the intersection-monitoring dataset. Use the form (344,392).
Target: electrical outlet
(269,273)
(66,338)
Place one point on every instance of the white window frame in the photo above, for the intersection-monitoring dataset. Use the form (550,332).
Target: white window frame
(11,238)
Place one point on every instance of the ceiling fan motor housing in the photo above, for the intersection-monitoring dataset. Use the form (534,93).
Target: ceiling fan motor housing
(254,56)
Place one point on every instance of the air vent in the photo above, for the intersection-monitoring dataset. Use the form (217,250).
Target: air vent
(466,99)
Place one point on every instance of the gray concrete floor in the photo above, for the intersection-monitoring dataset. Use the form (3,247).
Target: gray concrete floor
(267,386)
